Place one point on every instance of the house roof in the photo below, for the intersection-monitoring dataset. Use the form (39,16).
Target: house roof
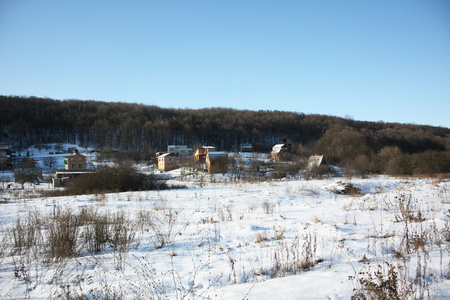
(315,161)
(217,155)
(76,154)
(246,146)
(84,171)
(167,154)
(278,148)
(178,147)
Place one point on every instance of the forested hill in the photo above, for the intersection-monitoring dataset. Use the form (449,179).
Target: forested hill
(144,129)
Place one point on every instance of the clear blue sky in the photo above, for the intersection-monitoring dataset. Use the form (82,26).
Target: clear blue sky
(369,60)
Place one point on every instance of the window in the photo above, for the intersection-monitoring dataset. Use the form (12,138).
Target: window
(74,166)
(80,166)
(81,158)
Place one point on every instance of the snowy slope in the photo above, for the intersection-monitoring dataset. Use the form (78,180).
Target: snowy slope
(288,239)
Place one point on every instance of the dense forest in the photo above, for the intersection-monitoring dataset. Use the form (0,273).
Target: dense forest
(141,130)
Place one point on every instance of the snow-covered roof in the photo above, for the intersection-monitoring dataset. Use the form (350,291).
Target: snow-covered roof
(167,154)
(279,146)
(217,155)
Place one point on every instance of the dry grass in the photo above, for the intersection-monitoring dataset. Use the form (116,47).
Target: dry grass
(261,238)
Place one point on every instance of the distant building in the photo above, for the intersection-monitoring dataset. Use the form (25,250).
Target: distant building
(278,150)
(217,162)
(5,155)
(76,161)
(63,176)
(75,165)
(180,150)
(167,161)
(200,153)
(246,147)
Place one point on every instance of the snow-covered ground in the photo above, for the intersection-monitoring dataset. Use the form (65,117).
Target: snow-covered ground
(224,239)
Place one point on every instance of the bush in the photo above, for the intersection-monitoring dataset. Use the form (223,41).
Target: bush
(26,233)
(121,178)
(379,284)
(425,163)
(62,235)
(96,232)
(430,162)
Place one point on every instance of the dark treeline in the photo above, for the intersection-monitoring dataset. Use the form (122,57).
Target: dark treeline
(141,130)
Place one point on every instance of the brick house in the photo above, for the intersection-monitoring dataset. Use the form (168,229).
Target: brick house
(76,161)
(201,152)
(75,165)
(167,161)
(217,162)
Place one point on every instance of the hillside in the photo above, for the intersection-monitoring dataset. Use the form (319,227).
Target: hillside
(141,130)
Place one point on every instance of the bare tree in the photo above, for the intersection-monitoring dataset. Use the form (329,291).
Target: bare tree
(27,170)
(49,162)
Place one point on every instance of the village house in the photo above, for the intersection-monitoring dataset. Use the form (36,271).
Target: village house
(76,161)
(246,147)
(75,165)
(201,152)
(217,162)
(278,150)
(180,150)
(167,161)
(5,156)
(63,176)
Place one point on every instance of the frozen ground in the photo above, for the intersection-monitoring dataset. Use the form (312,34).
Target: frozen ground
(281,239)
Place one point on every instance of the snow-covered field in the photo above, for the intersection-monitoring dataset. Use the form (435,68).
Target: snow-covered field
(280,239)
